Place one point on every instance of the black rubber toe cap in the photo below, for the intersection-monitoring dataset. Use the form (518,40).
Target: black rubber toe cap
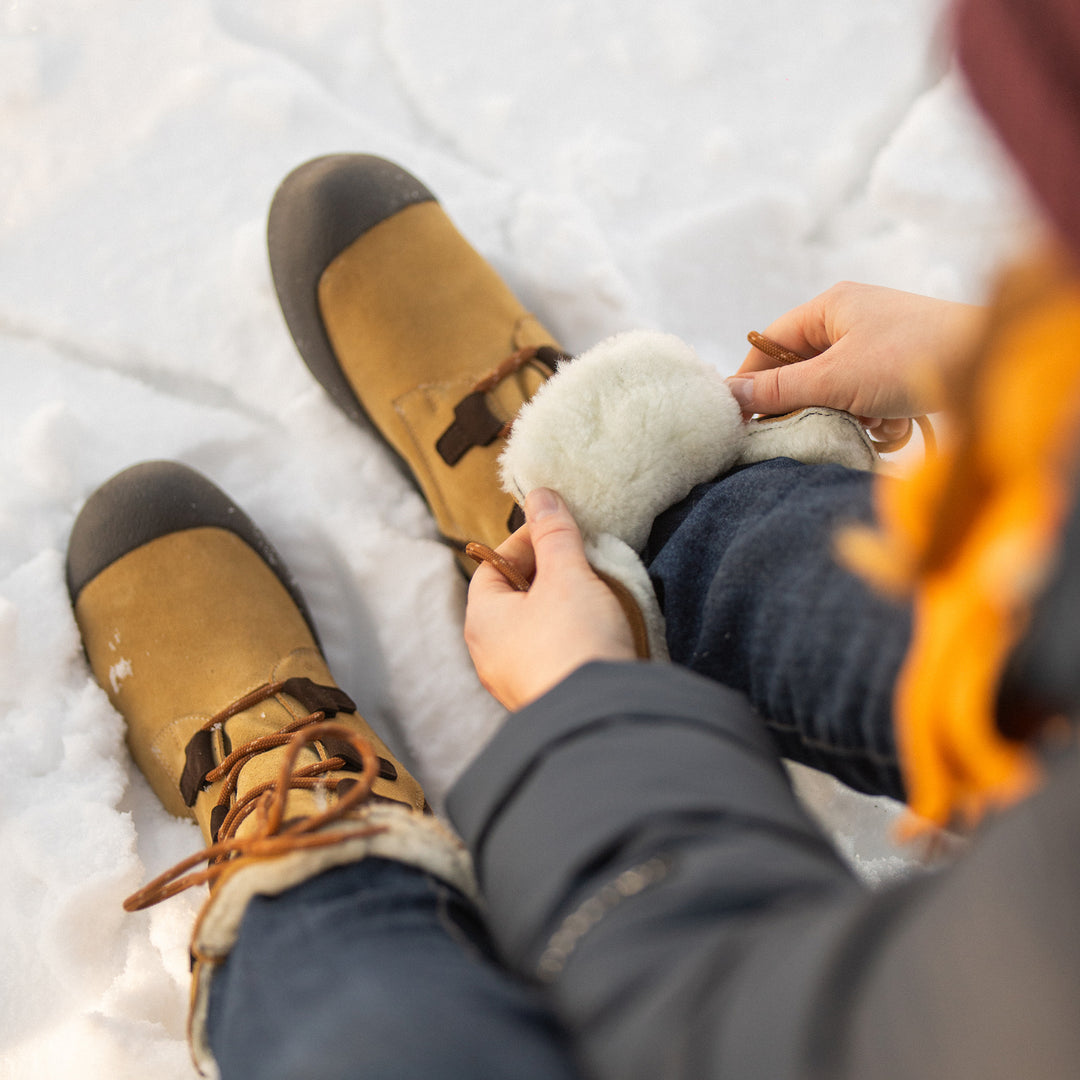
(152,500)
(318,211)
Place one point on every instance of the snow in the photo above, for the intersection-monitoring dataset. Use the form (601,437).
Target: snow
(696,166)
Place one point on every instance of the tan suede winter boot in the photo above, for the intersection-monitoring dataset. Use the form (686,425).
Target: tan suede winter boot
(200,638)
(409,329)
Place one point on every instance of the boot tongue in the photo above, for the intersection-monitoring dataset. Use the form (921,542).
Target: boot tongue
(265,718)
(199,754)
(263,769)
(286,710)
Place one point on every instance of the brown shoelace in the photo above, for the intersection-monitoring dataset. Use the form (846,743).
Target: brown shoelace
(272,835)
(783,355)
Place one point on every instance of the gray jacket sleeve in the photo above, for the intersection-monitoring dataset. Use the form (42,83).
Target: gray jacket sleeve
(643,856)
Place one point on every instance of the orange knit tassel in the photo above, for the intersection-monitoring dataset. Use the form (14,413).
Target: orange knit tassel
(971,535)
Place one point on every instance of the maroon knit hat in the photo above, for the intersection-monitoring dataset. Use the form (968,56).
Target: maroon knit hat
(1022,61)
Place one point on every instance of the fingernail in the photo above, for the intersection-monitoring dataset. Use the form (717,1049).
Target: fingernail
(539,503)
(742,390)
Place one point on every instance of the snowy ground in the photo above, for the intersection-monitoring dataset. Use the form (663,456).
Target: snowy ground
(696,166)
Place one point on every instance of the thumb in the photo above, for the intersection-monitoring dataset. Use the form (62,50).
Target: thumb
(777,390)
(555,536)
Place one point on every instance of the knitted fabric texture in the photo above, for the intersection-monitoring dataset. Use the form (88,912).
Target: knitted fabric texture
(1022,62)
(972,536)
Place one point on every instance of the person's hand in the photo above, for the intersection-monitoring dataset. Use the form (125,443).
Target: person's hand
(875,352)
(524,643)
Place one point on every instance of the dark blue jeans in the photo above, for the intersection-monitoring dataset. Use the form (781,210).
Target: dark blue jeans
(756,600)
(375,970)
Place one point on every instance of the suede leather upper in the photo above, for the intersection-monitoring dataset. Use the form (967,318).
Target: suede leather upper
(400,319)
(188,621)
(318,211)
(150,500)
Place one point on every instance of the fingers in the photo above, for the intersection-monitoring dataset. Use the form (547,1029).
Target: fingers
(777,390)
(802,330)
(768,386)
(517,547)
(871,351)
(555,537)
(886,429)
(489,581)
(550,537)
(524,643)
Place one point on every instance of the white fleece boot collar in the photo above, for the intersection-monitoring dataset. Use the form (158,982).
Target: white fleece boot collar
(398,833)
(624,431)
(628,428)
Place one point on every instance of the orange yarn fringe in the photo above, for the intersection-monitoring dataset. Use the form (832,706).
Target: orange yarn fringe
(971,535)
